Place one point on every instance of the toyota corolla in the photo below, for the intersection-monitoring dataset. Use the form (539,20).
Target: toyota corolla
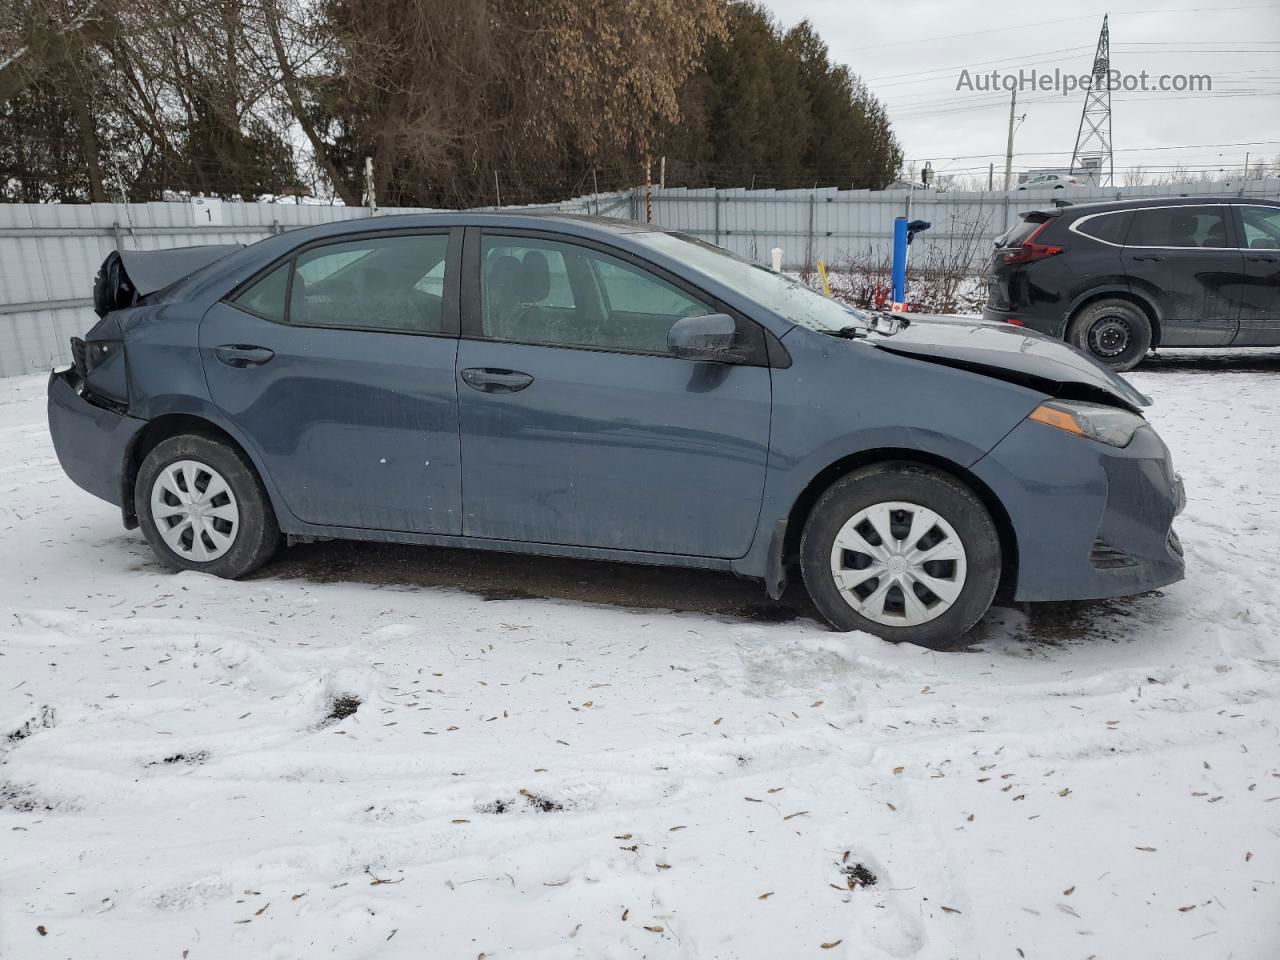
(593,388)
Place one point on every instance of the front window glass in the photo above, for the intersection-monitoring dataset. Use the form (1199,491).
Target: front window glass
(562,294)
(776,292)
(1261,227)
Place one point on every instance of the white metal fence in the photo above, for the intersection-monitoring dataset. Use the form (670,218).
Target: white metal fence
(49,253)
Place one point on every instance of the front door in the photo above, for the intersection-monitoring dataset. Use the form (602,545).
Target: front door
(579,428)
(1260,291)
(338,365)
(1183,258)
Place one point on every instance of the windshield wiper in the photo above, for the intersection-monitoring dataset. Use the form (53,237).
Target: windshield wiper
(848,333)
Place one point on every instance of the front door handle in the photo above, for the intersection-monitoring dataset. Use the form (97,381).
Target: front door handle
(1263,259)
(242,355)
(1147,257)
(492,380)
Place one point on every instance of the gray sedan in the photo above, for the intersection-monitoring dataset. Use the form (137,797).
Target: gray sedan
(596,388)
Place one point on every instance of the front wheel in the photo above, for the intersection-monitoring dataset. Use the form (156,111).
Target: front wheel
(202,507)
(903,552)
(1113,331)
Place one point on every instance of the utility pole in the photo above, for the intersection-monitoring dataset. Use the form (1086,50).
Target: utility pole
(991,177)
(1008,153)
(648,189)
(1245,175)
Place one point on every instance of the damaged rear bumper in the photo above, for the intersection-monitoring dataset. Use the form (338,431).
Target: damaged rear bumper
(92,439)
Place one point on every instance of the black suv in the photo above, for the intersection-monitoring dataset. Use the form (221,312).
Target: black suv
(1120,277)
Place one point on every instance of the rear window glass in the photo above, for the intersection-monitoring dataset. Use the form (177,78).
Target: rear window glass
(1109,227)
(266,297)
(1018,233)
(1178,227)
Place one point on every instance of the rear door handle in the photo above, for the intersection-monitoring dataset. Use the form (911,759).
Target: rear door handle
(1263,259)
(492,380)
(1148,257)
(242,355)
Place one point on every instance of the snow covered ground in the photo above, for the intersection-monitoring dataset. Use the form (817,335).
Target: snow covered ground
(540,778)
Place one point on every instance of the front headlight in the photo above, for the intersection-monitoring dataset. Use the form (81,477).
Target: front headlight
(1113,426)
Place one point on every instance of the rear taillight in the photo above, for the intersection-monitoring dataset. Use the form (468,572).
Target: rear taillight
(98,352)
(77,356)
(1016,321)
(1030,251)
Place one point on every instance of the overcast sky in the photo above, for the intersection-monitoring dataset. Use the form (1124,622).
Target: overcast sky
(909,54)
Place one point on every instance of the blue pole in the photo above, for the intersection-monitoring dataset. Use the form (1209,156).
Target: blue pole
(899,260)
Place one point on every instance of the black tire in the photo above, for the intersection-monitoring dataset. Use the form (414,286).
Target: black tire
(1113,331)
(936,491)
(255,537)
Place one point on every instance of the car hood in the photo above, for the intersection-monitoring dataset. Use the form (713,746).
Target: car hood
(1011,353)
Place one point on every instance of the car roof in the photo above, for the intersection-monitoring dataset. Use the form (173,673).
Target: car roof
(561,222)
(1073,209)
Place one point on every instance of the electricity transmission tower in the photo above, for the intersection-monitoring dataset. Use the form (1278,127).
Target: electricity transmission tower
(1092,154)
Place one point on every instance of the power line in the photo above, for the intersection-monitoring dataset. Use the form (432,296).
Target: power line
(1047,23)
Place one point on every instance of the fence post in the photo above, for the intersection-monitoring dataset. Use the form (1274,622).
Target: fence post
(808,250)
(715,200)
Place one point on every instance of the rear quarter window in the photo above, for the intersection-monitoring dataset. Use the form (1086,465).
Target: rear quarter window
(1107,227)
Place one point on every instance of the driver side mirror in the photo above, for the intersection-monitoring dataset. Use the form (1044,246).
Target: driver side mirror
(712,338)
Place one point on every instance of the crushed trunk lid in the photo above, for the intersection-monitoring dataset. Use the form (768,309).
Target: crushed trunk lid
(126,276)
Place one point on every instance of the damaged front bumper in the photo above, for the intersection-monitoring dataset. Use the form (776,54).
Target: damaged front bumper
(1091,521)
(93,438)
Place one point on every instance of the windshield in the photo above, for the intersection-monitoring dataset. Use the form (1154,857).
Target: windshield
(784,295)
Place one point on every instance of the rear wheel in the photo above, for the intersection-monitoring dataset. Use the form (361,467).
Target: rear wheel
(1113,331)
(202,507)
(903,552)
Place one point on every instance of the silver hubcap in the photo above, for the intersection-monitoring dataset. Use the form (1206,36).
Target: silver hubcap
(898,564)
(194,510)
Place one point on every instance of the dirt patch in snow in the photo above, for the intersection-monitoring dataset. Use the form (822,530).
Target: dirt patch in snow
(531,800)
(856,875)
(23,799)
(342,706)
(190,758)
(41,721)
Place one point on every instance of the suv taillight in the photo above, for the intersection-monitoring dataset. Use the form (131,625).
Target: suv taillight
(1030,251)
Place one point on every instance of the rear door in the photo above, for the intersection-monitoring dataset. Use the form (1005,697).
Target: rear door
(338,365)
(1260,291)
(1184,259)
(579,428)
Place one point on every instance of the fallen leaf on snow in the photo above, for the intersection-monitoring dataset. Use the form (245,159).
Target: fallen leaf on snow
(832,945)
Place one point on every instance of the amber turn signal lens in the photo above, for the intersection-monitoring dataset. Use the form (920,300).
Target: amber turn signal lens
(1056,418)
